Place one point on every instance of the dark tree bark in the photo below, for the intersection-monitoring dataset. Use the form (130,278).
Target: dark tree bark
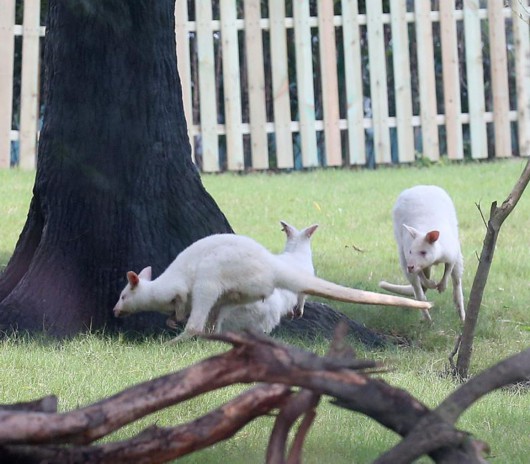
(115,187)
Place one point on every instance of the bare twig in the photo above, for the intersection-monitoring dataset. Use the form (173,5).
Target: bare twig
(497,216)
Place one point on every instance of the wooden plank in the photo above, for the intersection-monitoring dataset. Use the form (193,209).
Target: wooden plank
(378,81)
(475,79)
(7,56)
(256,84)
(207,95)
(401,61)
(499,79)
(29,85)
(522,75)
(425,50)
(304,81)
(451,81)
(184,68)
(280,85)
(354,82)
(231,87)
(330,85)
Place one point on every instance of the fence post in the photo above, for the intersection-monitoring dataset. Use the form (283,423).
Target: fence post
(402,81)
(280,85)
(378,81)
(451,81)
(354,82)
(256,84)
(330,85)
(7,52)
(428,110)
(475,79)
(521,34)
(29,93)
(304,84)
(207,88)
(183,62)
(499,79)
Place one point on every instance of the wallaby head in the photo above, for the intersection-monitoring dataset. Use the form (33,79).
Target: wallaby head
(297,239)
(131,296)
(421,249)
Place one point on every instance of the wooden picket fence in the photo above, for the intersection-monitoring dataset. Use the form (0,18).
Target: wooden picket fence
(298,84)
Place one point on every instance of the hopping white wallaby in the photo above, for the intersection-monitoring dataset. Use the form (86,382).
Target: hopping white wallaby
(265,315)
(426,232)
(229,269)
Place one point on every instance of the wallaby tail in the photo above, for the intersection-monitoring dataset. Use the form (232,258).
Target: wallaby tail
(406,290)
(320,287)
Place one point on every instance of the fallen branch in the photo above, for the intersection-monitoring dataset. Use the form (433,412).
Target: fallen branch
(34,436)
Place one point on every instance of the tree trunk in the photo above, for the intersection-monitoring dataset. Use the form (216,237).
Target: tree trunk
(115,187)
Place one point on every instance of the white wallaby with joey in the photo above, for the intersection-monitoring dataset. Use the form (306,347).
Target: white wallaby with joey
(228,269)
(426,232)
(266,315)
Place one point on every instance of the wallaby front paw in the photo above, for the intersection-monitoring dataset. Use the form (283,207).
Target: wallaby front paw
(441,286)
(297,312)
(171,323)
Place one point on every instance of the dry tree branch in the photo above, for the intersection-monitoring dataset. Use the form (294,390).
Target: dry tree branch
(253,358)
(436,429)
(304,403)
(157,444)
(497,216)
(45,404)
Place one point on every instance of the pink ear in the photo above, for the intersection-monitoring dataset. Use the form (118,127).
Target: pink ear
(309,231)
(432,236)
(133,279)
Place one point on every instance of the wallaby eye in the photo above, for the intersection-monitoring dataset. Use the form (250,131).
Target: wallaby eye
(123,297)
(423,253)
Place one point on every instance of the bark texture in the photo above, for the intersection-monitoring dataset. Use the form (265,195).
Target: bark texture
(115,187)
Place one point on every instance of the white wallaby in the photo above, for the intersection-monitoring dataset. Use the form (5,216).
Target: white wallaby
(265,315)
(229,269)
(426,232)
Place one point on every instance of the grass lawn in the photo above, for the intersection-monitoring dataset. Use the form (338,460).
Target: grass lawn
(353,246)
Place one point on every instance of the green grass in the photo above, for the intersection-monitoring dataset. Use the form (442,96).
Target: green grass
(352,208)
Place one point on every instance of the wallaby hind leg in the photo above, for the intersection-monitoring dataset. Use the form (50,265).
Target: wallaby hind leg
(458,294)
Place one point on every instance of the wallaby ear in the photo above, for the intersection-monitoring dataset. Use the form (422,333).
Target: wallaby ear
(432,236)
(288,229)
(146,273)
(309,231)
(412,231)
(133,279)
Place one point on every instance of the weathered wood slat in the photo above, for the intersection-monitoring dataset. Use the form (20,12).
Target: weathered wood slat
(7,55)
(29,86)
(378,82)
(280,85)
(183,63)
(499,79)
(521,34)
(207,94)
(451,80)
(428,110)
(354,82)
(231,87)
(304,83)
(330,86)
(256,84)
(475,83)
(402,80)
